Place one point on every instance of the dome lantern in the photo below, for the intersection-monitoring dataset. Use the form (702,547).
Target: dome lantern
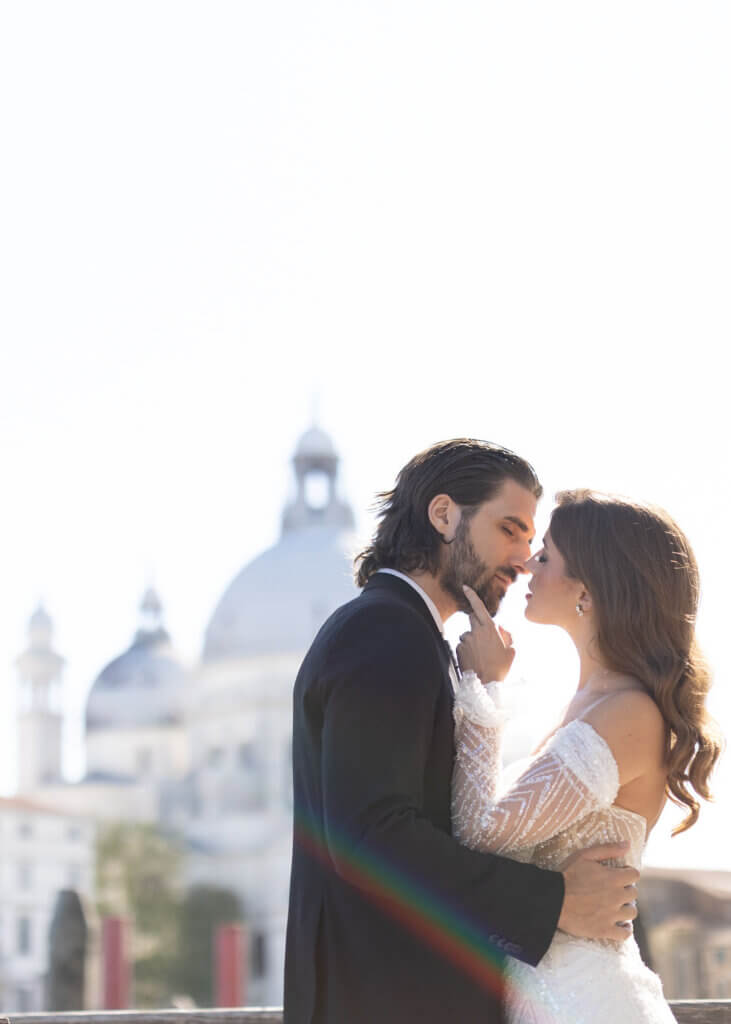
(40,630)
(150,621)
(316,463)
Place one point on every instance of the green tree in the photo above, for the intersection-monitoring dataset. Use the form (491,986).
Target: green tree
(204,909)
(138,877)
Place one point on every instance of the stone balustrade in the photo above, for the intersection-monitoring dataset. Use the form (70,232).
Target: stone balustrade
(690,1011)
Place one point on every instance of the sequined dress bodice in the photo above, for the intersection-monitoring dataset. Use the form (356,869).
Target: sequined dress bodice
(562,801)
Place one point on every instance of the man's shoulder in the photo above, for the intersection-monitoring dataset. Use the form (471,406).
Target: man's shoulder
(374,636)
(381,601)
(384,615)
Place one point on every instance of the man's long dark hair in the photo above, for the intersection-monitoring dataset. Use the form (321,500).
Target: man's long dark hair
(469,471)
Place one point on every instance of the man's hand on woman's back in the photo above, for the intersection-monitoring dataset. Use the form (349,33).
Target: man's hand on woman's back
(599,901)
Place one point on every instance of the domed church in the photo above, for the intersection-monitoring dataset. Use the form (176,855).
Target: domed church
(135,737)
(239,711)
(206,749)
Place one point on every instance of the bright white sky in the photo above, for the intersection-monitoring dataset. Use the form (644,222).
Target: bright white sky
(509,221)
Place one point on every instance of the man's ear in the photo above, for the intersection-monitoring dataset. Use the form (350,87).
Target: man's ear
(444,515)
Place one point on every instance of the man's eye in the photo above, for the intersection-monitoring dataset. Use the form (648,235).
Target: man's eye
(508,531)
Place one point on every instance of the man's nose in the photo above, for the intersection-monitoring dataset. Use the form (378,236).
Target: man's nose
(522,557)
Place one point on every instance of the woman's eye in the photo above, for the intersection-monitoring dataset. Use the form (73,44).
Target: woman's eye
(541,558)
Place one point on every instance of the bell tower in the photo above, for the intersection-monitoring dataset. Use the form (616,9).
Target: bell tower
(40,715)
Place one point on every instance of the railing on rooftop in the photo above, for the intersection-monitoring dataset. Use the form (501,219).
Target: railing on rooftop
(687,1011)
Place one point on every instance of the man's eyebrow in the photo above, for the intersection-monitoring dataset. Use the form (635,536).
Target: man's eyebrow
(519,523)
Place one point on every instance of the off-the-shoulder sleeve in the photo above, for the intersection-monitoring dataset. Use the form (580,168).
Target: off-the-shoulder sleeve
(572,776)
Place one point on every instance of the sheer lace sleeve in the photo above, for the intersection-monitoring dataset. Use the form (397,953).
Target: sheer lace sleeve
(574,774)
(478,722)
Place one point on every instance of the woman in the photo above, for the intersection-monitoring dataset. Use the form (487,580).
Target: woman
(621,579)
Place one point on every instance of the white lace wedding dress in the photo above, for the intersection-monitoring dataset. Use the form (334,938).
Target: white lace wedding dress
(562,802)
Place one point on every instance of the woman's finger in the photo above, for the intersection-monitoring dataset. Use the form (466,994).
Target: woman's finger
(480,611)
(506,637)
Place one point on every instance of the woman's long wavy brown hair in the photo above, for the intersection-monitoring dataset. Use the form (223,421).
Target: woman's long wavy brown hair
(641,573)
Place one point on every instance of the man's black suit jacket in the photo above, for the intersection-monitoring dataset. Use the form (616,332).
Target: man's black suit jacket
(391,921)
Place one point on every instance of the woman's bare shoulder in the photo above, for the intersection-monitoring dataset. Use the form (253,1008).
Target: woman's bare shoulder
(631,723)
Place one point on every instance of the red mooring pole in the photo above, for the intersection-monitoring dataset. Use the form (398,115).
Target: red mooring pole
(115,964)
(230,958)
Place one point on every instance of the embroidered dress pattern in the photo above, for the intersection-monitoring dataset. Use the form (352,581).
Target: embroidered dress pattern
(562,802)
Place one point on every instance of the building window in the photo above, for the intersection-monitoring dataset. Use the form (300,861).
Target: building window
(194,804)
(246,789)
(74,876)
(25,875)
(25,830)
(144,761)
(73,833)
(215,757)
(721,955)
(258,955)
(24,998)
(247,757)
(684,975)
(317,490)
(24,936)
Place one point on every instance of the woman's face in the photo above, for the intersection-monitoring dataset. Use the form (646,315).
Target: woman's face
(552,595)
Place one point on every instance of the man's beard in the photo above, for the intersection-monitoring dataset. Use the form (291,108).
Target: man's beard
(464,566)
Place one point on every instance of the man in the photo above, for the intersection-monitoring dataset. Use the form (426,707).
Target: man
(391,921)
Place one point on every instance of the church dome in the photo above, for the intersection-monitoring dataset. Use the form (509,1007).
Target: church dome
(143,686)
(278,601)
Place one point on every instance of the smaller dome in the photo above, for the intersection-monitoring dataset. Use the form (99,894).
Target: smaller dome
(143,686)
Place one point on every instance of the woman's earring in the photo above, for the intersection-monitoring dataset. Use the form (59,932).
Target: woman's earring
(579,609)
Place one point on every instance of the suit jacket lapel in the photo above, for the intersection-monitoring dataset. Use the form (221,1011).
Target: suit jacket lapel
(394,586)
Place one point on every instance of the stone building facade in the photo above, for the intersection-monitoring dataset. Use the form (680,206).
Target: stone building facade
(204,750)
